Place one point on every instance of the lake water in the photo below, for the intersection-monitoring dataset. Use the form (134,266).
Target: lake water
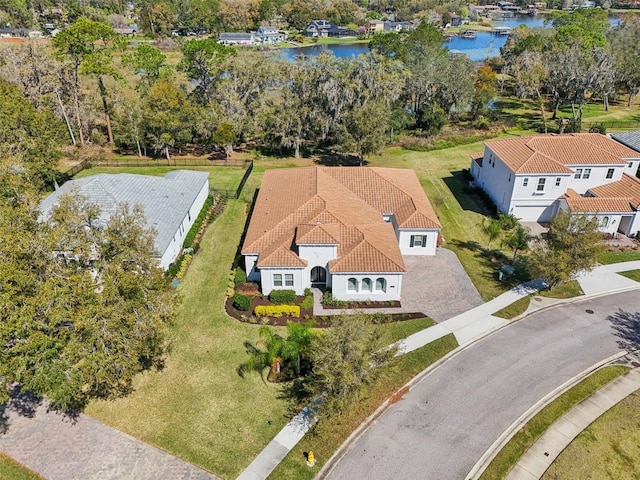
(483,46)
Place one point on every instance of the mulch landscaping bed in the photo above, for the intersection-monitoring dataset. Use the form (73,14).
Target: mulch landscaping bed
(305,315)
(365,305)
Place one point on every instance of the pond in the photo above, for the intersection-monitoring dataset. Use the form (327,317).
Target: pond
(483,46)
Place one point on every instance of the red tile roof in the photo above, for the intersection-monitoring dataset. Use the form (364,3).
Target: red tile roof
(626,187)
(339,205)
(553,153)
(578,203)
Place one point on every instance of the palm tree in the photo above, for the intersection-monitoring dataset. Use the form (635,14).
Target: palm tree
(518,240)
(297,343)
(266,353)
(492,229)
(273,351)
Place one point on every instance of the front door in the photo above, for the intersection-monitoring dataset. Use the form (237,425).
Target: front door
(318,275)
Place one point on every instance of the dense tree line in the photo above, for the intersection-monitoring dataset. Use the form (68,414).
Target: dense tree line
(218,96)
(158,18)
(579,58)
(214,96)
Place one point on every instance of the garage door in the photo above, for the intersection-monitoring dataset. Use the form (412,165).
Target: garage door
(533,213)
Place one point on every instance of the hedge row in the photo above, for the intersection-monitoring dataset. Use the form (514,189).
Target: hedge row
(277,310)
(195,228)
(282,296)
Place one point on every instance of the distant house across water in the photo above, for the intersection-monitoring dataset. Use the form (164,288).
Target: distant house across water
(270,35)
(325,28)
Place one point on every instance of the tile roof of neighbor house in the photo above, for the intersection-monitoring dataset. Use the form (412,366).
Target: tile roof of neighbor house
(627,187)
(165,200)
(337,206)
(630,139)
(553,153)
(578,203)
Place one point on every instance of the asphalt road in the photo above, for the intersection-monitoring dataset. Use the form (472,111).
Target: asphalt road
(452,416)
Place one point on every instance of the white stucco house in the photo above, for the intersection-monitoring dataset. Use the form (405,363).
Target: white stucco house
(532,177)
(338,227)
(171,203)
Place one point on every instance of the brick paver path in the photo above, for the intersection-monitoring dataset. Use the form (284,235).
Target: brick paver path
(59,449)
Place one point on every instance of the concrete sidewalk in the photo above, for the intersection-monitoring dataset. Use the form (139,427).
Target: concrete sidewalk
(558,436)
(467,328)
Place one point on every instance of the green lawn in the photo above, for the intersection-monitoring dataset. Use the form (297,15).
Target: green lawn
(12,470)
(632,274)
(607,450)
(568,289)
(198,408)
(527,435)
(220,178)
(617,257)
(516,308)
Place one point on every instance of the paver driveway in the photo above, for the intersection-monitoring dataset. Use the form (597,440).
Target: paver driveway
(437,286)
(58,449)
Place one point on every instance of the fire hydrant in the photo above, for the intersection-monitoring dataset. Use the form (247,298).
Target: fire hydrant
(311,461)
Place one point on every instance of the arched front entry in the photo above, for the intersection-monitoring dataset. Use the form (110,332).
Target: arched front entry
(318,275)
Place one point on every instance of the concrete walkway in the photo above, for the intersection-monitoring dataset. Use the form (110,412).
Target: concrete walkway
(558,436)
(467,328)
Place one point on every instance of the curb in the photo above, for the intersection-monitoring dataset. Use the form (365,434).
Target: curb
(482,464)
(330,464)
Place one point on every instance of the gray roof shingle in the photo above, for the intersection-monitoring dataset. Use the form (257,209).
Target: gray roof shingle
(165,200)
(630,139)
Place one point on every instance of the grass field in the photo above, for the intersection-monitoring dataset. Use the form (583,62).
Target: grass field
(528,434)
(12,470)
(568,289)
(220,178)
(198,408)
(607,450)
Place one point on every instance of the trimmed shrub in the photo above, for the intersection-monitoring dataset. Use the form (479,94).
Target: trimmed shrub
(307,303)
(183,265)
(195,228)
(240,277)
(277,310)
(241,302)
(282,296)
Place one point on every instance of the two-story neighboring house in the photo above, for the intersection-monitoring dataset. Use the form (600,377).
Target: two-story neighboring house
(526,176)
(342,228)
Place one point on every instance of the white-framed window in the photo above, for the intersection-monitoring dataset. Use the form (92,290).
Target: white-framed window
(558,181)
(610,173)
(578,173)
(630,165)
(381,285)
(541,183)
(418,241)
(365,286)
(604,222)
(277,279)
(352,285)
(525,181)
(288,279)
(586,173)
